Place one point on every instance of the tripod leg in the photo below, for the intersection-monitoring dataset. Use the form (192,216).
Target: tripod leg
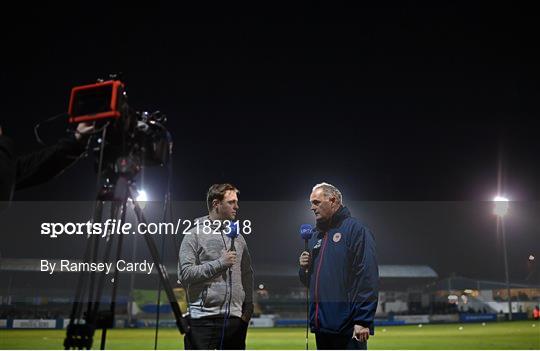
(95,294)
(158,300)
(72,338)
(93,317)
(110,317)
(109,243)
(103,338)
(95,250)
(167,206)
(181,322)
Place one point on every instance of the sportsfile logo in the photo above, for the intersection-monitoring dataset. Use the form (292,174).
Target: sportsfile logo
(53,230)
(112,226)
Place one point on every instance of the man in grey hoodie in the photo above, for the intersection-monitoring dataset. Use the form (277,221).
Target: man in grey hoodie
(217,277)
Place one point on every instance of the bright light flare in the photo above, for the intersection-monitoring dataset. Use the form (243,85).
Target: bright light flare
(501,205)
(142,196)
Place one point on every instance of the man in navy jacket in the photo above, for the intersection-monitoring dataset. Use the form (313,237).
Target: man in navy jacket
(341,272)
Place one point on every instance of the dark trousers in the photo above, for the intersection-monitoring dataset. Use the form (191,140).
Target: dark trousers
(208,333)
(338,342)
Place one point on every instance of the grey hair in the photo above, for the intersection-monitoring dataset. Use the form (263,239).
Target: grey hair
(330,190)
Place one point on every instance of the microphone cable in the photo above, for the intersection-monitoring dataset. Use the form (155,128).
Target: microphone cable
(50,119)
(228,287)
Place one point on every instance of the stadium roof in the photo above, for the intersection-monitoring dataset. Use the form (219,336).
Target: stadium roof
(398,271)
(385,271)
(462,283)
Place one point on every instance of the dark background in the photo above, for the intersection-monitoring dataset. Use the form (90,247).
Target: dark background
(415,102)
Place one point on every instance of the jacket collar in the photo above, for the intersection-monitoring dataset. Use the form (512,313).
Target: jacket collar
(341,214)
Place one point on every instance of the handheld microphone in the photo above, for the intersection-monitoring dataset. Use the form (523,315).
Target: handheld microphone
(306,232)
(233,233)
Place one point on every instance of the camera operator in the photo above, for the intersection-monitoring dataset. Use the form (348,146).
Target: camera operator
(19,172)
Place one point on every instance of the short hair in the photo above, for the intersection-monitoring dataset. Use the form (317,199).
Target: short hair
(217,192)
(329,190)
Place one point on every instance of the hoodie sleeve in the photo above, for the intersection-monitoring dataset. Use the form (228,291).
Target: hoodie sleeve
(364,279)
(190,270)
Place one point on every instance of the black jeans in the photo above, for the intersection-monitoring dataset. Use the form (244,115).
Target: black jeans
(338,342)
(207,334)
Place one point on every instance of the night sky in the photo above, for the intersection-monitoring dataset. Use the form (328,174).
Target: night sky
(409,103)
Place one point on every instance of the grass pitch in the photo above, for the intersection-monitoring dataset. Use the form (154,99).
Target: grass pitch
(492,336)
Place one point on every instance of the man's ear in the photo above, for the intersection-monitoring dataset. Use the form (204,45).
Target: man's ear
(215,202)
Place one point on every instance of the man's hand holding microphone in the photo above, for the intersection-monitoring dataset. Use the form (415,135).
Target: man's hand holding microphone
(228,258)
(305,260)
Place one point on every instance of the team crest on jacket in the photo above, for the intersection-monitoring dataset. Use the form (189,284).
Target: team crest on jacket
(336,237)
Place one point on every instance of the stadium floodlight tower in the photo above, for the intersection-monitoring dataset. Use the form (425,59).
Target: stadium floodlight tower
(500,210)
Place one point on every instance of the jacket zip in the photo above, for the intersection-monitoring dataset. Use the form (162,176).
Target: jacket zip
(317,283)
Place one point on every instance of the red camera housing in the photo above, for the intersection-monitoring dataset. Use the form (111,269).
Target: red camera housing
(95,102)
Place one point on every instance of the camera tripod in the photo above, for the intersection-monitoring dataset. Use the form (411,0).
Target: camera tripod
(89,289)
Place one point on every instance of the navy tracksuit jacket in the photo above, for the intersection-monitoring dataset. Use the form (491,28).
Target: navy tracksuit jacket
(343,276)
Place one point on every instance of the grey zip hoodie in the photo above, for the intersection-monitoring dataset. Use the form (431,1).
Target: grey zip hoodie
(202,273)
